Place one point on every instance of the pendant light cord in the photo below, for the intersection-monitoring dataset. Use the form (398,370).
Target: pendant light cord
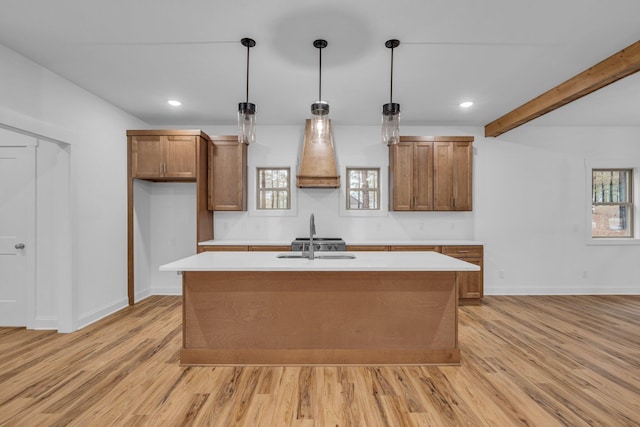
(320,77)
(248,47)
(391,92)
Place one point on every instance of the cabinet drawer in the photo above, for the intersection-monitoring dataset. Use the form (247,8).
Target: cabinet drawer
(222,248)
(462,251)
(415,248)
(270,248)
(367,248)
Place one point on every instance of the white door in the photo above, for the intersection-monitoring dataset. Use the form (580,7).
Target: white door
(17,205)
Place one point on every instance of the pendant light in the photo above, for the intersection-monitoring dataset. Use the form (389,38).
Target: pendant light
(247,110)
(391,111)
(320,127)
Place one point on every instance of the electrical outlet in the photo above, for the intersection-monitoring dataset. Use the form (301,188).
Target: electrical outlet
(585,275)
(501,274)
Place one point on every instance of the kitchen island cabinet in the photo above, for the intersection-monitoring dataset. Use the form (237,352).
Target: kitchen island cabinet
(379,308)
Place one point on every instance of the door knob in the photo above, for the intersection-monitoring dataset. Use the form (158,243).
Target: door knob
(19,246)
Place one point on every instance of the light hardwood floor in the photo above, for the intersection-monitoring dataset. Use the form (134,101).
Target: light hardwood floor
(534,361)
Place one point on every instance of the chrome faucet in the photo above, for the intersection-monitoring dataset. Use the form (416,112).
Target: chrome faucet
(312,231)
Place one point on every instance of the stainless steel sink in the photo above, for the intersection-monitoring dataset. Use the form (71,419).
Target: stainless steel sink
(323,256)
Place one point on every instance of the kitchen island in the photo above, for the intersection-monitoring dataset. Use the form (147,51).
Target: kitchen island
(252,308)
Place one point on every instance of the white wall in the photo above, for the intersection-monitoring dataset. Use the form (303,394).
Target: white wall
(532,195)
(34,100)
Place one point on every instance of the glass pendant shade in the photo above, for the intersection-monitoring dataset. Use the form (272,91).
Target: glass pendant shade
(246,123)
(319,122)
(391,123)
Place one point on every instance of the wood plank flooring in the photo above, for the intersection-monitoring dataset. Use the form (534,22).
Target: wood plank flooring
(530,361)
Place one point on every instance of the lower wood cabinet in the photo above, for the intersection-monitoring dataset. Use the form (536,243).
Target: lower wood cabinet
(244,248)
(471,283)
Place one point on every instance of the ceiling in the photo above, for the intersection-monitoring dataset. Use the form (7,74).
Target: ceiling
(497,53)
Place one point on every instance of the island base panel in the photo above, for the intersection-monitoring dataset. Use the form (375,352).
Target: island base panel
(322,357)
(316,317)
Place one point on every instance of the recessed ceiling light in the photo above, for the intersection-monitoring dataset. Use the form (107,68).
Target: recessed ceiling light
(174,103)
(466,104)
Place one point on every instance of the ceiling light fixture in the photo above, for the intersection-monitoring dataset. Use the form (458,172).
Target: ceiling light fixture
(247,110)
(391,111)
(174,103)
(320,127)
(466,104)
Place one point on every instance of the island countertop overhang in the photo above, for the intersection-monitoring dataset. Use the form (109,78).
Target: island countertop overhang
(363,261)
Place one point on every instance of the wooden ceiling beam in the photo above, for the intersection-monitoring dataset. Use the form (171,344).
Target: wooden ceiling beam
(612,69)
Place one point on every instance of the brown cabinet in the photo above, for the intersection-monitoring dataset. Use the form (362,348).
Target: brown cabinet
(223,248)
(428,173)
(423,248)
(163,157)
(167,155)
(470,283)
(227,174)
(367,248)
(410,176)
(244,248)
(452,175)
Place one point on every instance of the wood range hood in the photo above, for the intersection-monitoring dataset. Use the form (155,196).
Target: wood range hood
(318,167)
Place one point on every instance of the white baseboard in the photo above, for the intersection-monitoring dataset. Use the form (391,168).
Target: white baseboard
(166,291)
(592,290)
(139,296)
(46,323)
(94,316)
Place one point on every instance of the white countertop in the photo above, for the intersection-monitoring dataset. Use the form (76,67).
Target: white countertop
(364,261)
(433,242)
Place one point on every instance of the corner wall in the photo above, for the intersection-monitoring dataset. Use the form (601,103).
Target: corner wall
(37,101)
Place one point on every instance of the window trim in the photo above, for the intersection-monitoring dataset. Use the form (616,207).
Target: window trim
(349,189)
(629,203)
(259,190)
(612,164)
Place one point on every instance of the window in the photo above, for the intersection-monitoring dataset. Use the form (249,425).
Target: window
(364,188)
(273,188)
(612,204)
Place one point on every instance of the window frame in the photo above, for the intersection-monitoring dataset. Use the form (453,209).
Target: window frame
(629,204)
(612,164)
(349,189)
(261,190)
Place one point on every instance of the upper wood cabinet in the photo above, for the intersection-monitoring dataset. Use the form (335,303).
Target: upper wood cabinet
(452,175)
(410,176)
(163,157)
(227,174)
(428,173)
